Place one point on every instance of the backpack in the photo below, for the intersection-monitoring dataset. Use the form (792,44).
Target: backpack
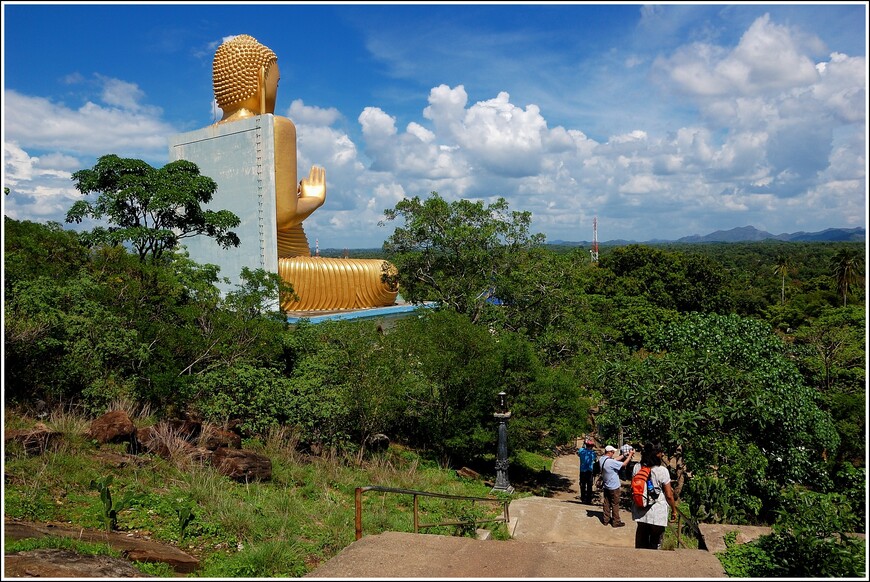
(643,492)
(599,482)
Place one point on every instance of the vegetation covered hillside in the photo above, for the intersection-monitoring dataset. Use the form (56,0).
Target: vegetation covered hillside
(746,361)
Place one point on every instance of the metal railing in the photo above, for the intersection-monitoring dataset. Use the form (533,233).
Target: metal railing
(505,518)
(692,524)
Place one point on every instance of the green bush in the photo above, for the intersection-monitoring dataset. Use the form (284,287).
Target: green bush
(259,398)
(745,560)
(851,482)
(808,540)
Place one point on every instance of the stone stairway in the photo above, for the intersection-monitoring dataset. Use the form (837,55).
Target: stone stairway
(551,537)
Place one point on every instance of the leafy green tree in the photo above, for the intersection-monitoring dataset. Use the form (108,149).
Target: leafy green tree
(454,252)
(244,326)
(723,391)
(807,541)
(63,341)
(831,352)
(811,537)
(672,280)
(152,209)
(848,267)
(547,403)
(92,326)
(33,249)
(551,299)
(347,383)
(259,398)
(836,338)
(449,410)
(783,268)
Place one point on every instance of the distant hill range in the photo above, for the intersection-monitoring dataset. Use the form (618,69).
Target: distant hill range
(747,234)
(740,234)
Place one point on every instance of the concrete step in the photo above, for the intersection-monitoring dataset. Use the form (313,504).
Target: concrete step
(408,555)
(551,538)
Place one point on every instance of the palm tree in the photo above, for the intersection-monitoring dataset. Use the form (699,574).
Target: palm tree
(783,268)
(848,267)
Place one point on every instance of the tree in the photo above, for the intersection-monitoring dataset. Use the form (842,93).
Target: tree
(673,280)
(152,209)
(346,383)
(454,252)
(783,268)
(257,397)
(459,368)
(32,249)
(555,300)
(848,268)
(723,390)
(91,325)
(832,355)
(837,341)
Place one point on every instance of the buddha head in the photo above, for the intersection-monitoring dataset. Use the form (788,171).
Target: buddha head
(245,77)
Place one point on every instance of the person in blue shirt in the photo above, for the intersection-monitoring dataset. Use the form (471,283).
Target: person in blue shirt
(610,468)
(587,470)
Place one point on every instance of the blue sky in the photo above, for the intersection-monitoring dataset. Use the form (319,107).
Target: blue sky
(661,120)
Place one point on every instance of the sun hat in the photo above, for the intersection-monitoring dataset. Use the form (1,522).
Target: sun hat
(609,448)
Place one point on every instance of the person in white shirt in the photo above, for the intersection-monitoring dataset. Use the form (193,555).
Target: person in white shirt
(653,520)
(612,485)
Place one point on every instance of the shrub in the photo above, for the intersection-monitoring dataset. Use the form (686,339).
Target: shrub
(745,560)
(259,397)
(807,541)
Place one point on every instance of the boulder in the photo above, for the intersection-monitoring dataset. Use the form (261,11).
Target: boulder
(35,441)
(132,547)
(378,442)
(214,438)
(151,440)
(189,430)
(112,427)
(56,563)
(468,473)
(242,465)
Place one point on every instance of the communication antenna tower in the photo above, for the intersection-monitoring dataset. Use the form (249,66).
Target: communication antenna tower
(594,250)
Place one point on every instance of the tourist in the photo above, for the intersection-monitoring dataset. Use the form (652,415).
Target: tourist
(587,469)
(610,467)
(625,472)
(653,520)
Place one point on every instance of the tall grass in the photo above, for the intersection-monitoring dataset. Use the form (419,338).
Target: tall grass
(135,409)
(175,448)
(69,421)
(283,527)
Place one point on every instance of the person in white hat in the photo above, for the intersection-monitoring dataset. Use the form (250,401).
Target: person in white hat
(610,467)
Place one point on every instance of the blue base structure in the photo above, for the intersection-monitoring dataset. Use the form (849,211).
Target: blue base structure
(391,311)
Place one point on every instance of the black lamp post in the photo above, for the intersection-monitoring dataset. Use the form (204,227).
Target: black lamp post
(501,464)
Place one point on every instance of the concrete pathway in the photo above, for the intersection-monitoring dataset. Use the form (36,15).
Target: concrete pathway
(542,519)
(407,555)
(552,537)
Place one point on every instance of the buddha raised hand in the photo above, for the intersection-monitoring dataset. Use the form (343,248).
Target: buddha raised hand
(245,75)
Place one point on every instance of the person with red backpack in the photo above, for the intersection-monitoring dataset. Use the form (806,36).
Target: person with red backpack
(651,495)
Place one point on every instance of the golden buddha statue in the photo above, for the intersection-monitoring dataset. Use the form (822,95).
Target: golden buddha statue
(245,75)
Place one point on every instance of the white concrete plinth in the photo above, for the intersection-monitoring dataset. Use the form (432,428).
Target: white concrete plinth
(240,158)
